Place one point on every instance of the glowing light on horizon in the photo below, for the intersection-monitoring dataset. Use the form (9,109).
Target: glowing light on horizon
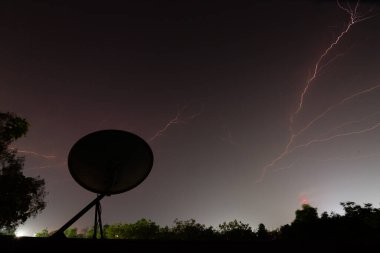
(20,233)
(304,200)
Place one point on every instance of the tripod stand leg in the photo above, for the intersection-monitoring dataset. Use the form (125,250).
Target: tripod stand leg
(96,221)
(99,208)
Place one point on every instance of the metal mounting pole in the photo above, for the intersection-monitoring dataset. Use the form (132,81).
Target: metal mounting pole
(60,232)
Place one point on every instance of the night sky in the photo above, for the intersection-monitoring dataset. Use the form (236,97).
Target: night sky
(211,86)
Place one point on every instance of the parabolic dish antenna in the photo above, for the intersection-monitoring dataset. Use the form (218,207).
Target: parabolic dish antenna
(110,161)
(107,162)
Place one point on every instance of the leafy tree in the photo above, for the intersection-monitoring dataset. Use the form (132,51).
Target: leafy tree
(191,230)
(285,232)
(165,233)
(236,230)
(307,214)
(89,232)
(142,229)
(72,233)
(116,231)
(359,223)
(21,197)
(8,232)
(11,128)
(324,216)
(305,226)
(262,233)
(43,233)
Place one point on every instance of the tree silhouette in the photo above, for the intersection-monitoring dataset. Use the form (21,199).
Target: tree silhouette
(191,230)
(307,214)
(358,224)
(43,233)
(263,233)
(305,225)
(20,197)
(142,229)
(236,231)
(72,233)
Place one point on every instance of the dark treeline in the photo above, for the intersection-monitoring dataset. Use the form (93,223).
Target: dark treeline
(359,223)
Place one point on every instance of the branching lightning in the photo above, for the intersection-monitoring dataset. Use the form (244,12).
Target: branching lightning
(355,17)
(323,61)
(178,119)
(342,102)
(334,129)
(350,158)
(361,131)
(289,149)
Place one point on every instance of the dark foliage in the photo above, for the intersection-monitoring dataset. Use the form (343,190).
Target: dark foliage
(359,223)
(20,197)
(236,231)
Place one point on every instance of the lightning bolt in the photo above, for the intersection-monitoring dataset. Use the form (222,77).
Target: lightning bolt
(46,166)
(43,156)
(321,63)
(348,158)
(179,118)
(351,158)
(355,17)
(342,102)
(334,129)
(288,148)
(33,153)
(362,131)
(288,166)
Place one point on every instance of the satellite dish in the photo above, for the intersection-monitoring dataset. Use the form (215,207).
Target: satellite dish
(110,161)
(107,162)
